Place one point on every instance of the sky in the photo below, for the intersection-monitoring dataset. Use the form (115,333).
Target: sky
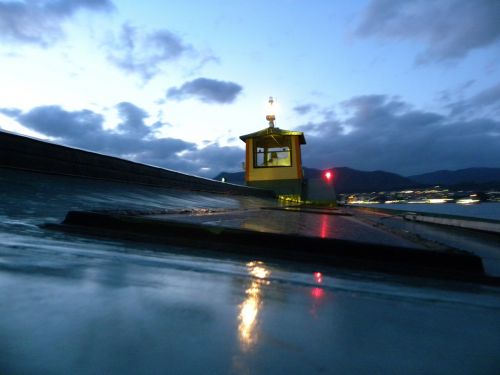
(403,86)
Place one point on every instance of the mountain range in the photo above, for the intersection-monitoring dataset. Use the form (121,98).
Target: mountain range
(348,180)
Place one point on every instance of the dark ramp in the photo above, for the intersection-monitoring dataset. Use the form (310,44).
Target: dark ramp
(248,234)
(24,153)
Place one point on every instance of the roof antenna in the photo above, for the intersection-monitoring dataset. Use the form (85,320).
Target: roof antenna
(271,109)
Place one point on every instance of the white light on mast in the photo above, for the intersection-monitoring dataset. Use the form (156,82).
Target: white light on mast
(271,116)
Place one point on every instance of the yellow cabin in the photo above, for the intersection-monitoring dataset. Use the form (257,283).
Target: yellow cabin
(273,159)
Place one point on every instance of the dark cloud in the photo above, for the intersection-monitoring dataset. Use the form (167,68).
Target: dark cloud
(456,93)
(450,29)
(11,112)
(207,90)
(40,21)
(488,97)
(131,139)
(380,132)
(85,129)
(219,158)
(304,108)
(55,122)
(136,51)
(316,129)
(207,161)
(484,103)
(133,121)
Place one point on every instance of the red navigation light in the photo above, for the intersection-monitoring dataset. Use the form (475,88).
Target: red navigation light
(328,176)
(318,276)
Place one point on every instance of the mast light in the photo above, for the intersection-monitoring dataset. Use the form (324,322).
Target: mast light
(271,117)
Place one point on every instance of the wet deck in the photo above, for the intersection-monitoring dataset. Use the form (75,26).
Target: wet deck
(293,234)
(72,304)
(318,223)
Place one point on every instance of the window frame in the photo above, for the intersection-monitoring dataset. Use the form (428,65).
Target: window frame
(283,142)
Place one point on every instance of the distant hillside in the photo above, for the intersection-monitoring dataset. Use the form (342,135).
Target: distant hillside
(349,180)
(346,180)
(232,177)
(469,176)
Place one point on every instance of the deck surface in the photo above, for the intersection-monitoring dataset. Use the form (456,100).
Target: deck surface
(72,304)
(320,224)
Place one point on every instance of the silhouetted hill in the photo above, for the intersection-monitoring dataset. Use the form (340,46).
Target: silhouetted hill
(469,176)
(349,180)
(232,177)
(346,180)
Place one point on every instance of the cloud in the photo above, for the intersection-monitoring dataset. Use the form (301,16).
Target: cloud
(449,95)
(40,21)
(139,52)
(488,97)
(131,139)
(484,103)
(84,129)
(133,121)
(207,161)
(218,158)
(55,122)
(449,29)
(10,112)
(386,133)
(304,108)
(207,90)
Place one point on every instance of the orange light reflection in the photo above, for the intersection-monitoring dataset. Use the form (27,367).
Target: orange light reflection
(250,307)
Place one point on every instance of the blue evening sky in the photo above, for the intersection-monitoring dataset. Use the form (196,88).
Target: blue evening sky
(404,86)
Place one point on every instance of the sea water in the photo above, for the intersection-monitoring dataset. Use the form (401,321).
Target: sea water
(485,210)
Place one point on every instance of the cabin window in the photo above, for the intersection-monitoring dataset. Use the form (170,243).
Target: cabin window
(272,151)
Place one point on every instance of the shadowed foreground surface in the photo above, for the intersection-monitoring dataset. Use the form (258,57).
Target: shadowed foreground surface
(80,305)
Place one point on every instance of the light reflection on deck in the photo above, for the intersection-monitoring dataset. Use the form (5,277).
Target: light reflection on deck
(250,307)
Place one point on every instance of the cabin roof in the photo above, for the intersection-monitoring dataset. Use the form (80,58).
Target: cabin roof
(274,131)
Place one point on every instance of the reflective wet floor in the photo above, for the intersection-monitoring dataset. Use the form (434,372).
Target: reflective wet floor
(74,305)
(308,223)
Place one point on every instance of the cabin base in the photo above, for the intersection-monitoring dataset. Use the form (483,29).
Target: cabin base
(280,187)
